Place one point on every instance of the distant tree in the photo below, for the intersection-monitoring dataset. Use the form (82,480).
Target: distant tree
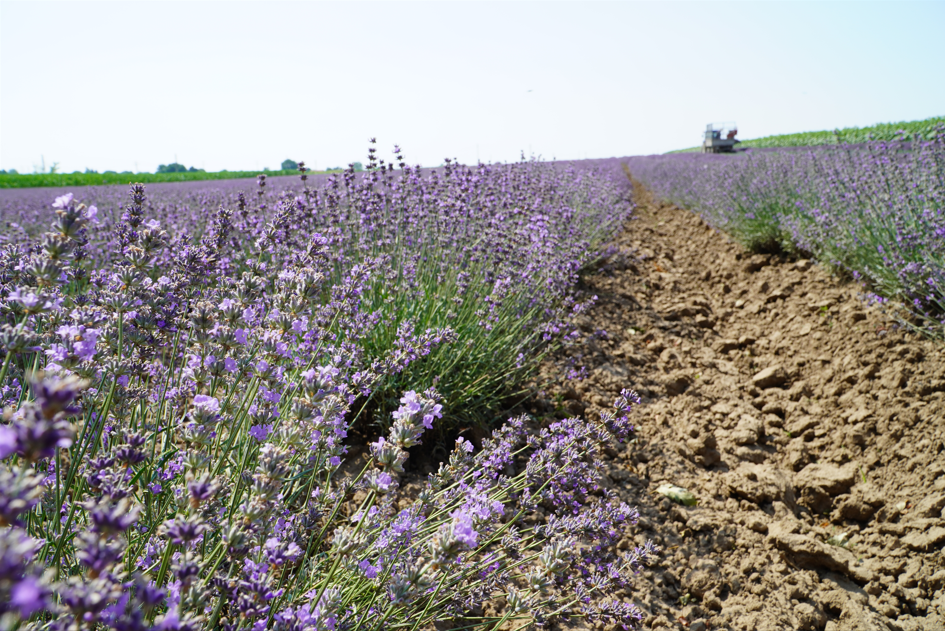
(194,170)
(358,166)
(87,170)
(173,167)
(12,172)
(290,165)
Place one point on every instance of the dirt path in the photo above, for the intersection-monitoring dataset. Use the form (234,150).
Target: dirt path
(792,412)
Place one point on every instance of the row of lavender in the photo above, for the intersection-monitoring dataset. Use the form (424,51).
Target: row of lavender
(483,256)
(875,210)
(180,376)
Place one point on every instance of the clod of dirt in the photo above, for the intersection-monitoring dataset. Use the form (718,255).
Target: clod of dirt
(748,431)
(925,540)
(771,377)
(819,483)
(806,552)
(860,505)
(930,506)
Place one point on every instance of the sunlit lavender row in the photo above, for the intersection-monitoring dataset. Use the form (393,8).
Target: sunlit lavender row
(486,255)
(875,210)
(181,373)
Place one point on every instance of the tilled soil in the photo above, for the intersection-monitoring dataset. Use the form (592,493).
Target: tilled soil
(808,426)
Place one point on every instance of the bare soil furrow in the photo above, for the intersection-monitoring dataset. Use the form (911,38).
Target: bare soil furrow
(808,426)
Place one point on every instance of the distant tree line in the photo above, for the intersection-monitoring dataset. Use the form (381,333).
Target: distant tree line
(357,166)
(175,167)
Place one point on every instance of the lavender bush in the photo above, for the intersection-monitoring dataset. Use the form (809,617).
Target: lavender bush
(876,210)
(173,451)
(485,256)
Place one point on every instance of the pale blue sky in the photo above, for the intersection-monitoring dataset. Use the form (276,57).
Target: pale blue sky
(246,85)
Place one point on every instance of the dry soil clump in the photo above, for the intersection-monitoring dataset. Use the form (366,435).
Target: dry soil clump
(808,426)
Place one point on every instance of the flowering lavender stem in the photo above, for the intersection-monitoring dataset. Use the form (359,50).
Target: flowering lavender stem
(220,553)
(165,563)
(73,470)
(369,500)
(103,416)
(167,380)
(250,395)
(6,366)
(56,523)
(65,530)
(220,601)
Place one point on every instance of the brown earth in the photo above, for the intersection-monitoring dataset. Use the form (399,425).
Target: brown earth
(792,411)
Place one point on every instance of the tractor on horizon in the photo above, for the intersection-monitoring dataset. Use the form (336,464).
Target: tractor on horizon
(720,138)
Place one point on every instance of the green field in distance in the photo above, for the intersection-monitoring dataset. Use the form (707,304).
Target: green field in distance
(850,135)
(30,180)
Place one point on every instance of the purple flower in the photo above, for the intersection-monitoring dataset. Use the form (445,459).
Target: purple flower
(260,432)
(7,441)
(63,201)
(183,530)
(112,519)
(39,438)
(54,396)
(410,405)
(367,569)
(85,348)
(207,405)
(463,528)
(99,554)
(380,481)
(279,552)
(202,490)
(28,596)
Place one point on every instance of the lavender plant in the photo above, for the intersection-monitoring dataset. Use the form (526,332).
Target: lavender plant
(876,211)
(267,535)
(174,445)
(485,256)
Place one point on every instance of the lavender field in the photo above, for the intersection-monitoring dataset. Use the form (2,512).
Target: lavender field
(215,393)
(874,210)
(184,366)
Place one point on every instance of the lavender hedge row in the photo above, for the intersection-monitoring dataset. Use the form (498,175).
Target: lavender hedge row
(875,210)
(178,388)
(484,256)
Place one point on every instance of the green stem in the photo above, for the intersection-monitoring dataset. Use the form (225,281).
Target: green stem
(6,366)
